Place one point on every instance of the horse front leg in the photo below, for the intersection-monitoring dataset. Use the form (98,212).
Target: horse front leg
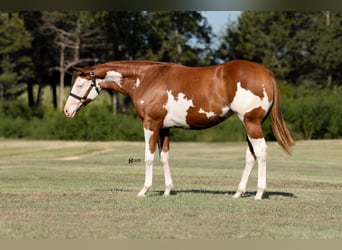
(149,158)
(150,148)
(164,146)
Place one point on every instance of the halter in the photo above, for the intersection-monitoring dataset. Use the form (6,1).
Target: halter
(84,99)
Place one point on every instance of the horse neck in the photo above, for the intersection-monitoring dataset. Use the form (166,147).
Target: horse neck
(130,71)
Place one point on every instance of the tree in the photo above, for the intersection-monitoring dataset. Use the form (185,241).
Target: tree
(328,47)
(50,43)
(43,56)
(180,37)
(173,36)
(292,44)
(15,65)
(261,37)
(71,32)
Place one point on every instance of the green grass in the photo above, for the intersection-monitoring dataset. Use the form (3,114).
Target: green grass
(62,190)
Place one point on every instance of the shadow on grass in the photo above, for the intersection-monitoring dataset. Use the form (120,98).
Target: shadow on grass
(267,195)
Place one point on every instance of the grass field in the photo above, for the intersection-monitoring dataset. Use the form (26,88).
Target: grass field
(77,190)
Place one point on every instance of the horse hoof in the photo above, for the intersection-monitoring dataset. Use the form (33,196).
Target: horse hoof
(258,196)
(237,194)
(167,193)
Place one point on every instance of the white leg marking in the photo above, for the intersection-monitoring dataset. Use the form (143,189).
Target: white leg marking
(244,179)
(149,157)
(164,158)
(260,148)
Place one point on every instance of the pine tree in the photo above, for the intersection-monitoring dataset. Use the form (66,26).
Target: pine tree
(15,65)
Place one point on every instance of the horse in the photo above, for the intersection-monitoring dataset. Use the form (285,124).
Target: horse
(168,95)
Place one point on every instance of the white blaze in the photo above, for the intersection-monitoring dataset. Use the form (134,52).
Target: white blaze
(80,81)
(79,88)
(245,101)
(177,110)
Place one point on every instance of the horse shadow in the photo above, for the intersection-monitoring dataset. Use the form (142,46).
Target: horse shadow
(266,195)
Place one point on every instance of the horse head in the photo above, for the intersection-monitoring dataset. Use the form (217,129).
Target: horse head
(85,89)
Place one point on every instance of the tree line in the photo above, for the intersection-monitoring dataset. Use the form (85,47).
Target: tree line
(303,49)
(40,48)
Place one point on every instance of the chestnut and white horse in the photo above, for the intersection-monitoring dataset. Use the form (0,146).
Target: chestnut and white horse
(167,95)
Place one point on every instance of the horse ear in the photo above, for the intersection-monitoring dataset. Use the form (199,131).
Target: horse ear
(76,69)
(83,72)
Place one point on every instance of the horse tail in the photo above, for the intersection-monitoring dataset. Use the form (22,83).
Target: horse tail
(278,124)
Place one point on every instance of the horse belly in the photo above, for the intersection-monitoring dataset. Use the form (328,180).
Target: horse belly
(201,119)
(195,118)
(184,113)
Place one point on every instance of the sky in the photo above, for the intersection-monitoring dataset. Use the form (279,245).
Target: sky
(219,19)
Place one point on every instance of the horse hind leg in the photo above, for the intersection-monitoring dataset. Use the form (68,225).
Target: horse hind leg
(256,151)
(250,160)
(260,147)
(164,157)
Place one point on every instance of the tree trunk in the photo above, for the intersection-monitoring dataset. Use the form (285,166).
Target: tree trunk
(327,17)
(1,95)
(30,95)
(54,96)
(61,79)
(179,46)
(327,22)
(329,82)
(115,103)
(39,96)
